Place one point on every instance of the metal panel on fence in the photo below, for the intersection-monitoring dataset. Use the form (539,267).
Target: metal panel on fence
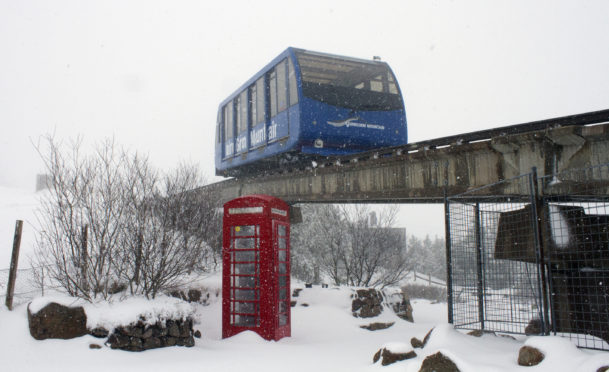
(496,281)
(577,253)
(533,262)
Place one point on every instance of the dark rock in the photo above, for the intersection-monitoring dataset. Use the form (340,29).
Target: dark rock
(401,306)
(603,369)
(118,341)
(480,332)
(377,326)
(296,292)
(194,295)
(133,331)
(533,328)
(94,346)
(171,341)
(57,321)
(416,343)
(99,332)
(308,285)
(304,304)
(368,303)
(136,343)
(148,333)
(197,334)
(529,356)
(180,341)
(324,285)
(387,357)
(427,337)
(438,362)
(292,303)
(159,330)
(508,336)
(185,329)
(151,343)
(189,341)
(173,329)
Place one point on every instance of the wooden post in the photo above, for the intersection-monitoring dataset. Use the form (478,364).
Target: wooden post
(12,276)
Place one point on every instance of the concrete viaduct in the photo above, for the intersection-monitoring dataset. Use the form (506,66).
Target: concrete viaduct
(424,172)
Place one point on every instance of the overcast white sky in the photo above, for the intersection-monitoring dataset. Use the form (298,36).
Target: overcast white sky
(151,73)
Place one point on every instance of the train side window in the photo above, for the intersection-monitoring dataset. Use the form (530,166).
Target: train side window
(260,104)
(228,121)
(242,112)
(292,83)
(253,105)
(282,96)
(393,89)
(273,92)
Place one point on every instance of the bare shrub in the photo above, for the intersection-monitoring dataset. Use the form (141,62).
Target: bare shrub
(110,221)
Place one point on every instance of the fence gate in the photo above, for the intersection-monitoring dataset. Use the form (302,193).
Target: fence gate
(520,261)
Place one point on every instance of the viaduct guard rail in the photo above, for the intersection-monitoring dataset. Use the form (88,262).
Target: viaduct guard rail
(424,172)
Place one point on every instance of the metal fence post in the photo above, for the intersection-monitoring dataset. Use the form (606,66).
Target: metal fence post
(449,271)
(12,276)
(479,261)
(538,207)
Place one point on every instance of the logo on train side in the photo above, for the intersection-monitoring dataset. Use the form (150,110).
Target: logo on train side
(351,122)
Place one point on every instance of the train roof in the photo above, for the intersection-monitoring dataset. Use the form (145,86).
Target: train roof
(291,52)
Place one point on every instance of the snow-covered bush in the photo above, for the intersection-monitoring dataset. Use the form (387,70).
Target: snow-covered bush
(110,222)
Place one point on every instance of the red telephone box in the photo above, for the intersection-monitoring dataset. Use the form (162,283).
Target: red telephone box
(256,267)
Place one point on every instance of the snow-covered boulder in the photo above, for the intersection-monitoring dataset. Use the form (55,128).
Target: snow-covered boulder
(438,362)
(393,352)
(370,302)
(57,321)
(530,356)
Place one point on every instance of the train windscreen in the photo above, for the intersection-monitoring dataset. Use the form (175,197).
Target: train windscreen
(352,84)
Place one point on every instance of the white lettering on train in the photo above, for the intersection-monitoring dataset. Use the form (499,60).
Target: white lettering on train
(257,136)
(273,131)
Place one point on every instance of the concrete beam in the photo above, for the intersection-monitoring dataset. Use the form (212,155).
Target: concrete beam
(425,175)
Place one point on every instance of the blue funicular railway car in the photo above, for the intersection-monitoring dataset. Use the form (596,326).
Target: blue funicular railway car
(305,105)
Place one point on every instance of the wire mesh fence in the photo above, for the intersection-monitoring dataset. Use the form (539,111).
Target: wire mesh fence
(523,262)
(29,284)
(576,247)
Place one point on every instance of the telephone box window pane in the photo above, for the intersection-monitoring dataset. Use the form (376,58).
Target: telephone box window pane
(245,307)
(283,293)
(246,230)
(246,294)
(283,307)
(246,320)
(281,230)
(282,268)
(246,269)
(245,256)
(282,243)
(283,319)
(245,281)
(283,281)
(245,243)
(282,256)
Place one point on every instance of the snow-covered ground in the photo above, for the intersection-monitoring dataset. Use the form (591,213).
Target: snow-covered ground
(325,336)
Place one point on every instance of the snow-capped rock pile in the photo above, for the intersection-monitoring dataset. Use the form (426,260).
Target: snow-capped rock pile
(370,302)
(143,336)
(134,324)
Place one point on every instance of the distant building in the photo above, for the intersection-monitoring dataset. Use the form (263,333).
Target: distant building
(42,182)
